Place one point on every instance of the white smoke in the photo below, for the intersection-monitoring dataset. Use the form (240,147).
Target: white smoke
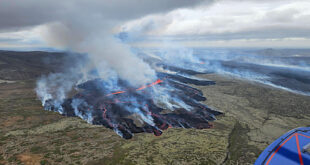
(87,116)
(105,51)
(55,86)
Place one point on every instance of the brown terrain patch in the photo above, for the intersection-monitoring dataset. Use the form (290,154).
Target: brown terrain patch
(11,121)
(3,162)
(30,159)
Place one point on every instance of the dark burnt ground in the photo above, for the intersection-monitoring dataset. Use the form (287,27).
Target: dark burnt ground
(115,110)
(31,65)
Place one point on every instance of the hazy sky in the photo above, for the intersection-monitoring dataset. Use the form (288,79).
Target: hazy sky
(201,23)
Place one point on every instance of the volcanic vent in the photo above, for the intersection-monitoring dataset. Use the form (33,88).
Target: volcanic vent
(167,102)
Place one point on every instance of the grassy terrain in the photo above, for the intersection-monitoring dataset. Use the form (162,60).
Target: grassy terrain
(261,114)
(255,115)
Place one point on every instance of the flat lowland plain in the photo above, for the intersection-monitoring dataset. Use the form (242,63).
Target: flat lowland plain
(254,116)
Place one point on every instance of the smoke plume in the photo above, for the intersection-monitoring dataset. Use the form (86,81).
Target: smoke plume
(112,85)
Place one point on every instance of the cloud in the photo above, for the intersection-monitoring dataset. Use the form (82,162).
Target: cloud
(68,23)
(226,20)
(16,14)
(26,38)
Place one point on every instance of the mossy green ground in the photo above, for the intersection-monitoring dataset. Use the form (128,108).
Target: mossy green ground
(254,116)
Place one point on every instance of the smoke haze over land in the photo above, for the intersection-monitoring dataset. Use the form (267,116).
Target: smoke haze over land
(127,45)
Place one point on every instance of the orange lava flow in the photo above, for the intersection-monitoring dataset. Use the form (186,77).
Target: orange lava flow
(116,93)
(152,84)
(141,88)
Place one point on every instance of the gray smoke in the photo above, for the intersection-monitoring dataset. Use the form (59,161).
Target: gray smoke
(87,27)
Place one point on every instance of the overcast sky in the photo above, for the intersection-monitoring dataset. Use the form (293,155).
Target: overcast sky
(199,23)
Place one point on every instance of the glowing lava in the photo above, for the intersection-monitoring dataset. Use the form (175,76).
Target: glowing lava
(115,93)
(152,84)
(141,88)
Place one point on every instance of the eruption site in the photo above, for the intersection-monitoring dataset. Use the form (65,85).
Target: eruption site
(167,102)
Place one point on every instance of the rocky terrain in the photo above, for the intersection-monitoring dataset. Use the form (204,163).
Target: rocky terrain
(254,116)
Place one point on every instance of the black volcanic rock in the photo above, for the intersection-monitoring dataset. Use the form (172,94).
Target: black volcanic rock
(114,110)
